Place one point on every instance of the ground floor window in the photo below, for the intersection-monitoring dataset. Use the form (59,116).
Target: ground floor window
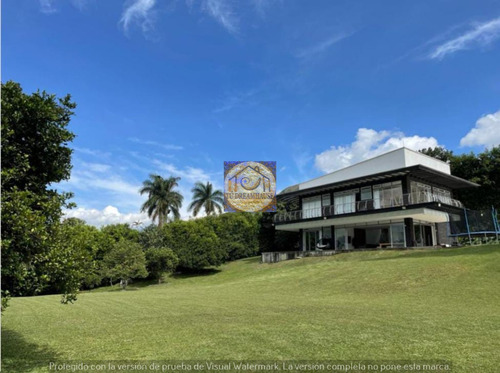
(398,235)
(341,239)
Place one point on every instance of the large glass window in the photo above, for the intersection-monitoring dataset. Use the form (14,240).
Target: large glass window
(387,195)
(340,239)
(398,235)
(420,193)
(311,207)
(442,195)
(345,202)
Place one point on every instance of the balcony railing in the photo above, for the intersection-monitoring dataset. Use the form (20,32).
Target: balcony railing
(366,205)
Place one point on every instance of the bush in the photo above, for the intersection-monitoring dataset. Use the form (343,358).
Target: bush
(125,261)
(238,233)
(195,244)
(160,260)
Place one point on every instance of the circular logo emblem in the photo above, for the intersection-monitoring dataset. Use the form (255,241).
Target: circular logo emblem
(250,186)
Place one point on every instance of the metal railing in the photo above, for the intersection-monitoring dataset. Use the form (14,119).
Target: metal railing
(366,205)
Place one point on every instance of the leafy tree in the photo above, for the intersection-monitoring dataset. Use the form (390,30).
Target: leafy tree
(86,244)
(162,198)
(152,237)
(204,196)
(160,260)
(125,261)
(237,232)
(117,232)
(483,169)
(35,153)
(195,244)
(439,153)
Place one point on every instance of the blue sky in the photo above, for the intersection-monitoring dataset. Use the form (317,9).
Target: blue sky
(179,87)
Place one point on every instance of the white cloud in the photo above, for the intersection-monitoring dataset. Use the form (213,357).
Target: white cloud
(47,6)
(155,143)
(222,12)
(97,167)
(108,215)
(482,34)
(140,12)
(192,174)
(369,143)
(486,132)
(321,46)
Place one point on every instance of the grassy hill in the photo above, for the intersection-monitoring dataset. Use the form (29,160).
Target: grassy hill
(379,305)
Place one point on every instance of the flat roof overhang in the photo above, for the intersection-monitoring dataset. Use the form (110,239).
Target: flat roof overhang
(421,214)
(420,172)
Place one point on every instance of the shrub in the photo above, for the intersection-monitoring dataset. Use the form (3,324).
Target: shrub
(160,260)
(125,261)
(195,244)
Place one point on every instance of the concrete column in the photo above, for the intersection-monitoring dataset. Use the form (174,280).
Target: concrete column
(301,240)
(409,232)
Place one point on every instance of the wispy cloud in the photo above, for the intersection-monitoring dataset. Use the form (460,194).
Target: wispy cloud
(237,99)
(192,174)
(262,6)
(92,152)
(223,13)
(139,12)
(47,6)
(155,143)
(482,34)
(320,47)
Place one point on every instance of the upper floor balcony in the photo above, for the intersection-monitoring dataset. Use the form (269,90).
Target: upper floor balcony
(364,206)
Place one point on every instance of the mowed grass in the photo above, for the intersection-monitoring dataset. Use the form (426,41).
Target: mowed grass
(375,305)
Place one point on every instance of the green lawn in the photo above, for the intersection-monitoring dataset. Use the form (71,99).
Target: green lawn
(377,305)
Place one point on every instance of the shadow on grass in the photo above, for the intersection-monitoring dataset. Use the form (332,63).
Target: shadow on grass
(440,252)
(188,273)
(19,355)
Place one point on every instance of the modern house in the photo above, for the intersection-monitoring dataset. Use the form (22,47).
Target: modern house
(401,199)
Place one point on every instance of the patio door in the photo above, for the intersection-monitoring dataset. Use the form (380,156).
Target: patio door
(311,238)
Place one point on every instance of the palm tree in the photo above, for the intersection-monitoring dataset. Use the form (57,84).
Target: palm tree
(204,196)
(162,198)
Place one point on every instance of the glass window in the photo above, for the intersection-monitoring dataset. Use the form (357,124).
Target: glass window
(420,193)
(340,239)
(366,193)
(325,200)
(387,195)
(311,207)
(442,195)
(398,235)
(345,202)
(327,232)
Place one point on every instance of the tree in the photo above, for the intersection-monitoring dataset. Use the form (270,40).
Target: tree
(195,244)
(204,196)
(117,232)
(160,260)
(125,261)
(86,244)
(439,153)
(35,153)
(162,198)
(483,169)
(237,232)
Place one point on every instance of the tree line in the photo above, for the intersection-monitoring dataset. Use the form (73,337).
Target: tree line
(43,253)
